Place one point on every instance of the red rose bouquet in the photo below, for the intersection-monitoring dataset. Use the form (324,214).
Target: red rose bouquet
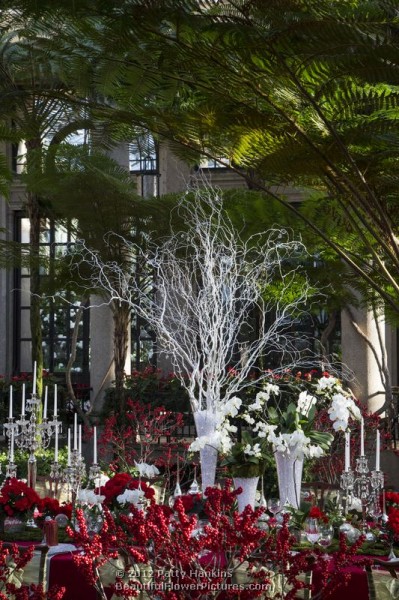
(50,507)
(392,510)
(17,498)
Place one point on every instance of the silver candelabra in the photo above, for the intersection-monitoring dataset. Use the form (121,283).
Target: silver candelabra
(75,473)
(362,484)
(28,434)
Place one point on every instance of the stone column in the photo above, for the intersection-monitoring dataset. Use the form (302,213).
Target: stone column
(101,350)
(174,173)
(360,358)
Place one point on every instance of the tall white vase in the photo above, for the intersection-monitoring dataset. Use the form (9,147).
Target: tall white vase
(249,486)
(205,423)
(289,473)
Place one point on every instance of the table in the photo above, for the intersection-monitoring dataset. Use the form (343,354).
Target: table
(63,571)
(362,585)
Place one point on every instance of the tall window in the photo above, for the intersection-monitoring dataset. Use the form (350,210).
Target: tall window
(58,316)
(144,163)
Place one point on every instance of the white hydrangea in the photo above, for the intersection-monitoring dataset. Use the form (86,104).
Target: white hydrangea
(305,403)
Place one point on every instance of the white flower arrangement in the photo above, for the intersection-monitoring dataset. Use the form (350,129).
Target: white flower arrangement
(130,497)
(290,431)
(146,470)
(90,498)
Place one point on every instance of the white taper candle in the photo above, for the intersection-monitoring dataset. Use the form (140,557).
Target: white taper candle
(69,448)
(34,378)
(362,437)
(23,400)
(56,444)
(55,400)
(347,450)
(10,405)
(12,446)
(75,432)
(377,451)
(45,402)
(95,446)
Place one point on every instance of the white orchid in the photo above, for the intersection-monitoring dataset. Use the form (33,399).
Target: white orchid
(130,497)
(305,403)
(282,430)
(89,497)
(326,383)
(254,450)
(146,470)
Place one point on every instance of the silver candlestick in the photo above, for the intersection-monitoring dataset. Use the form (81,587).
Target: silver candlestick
(362,484)
(75,473)
(95,475)
(30,435)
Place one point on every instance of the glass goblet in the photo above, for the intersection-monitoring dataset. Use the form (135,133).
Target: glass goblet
(312,530)
(326,535)
(273,505)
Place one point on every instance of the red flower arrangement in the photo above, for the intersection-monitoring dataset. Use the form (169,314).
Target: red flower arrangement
(121,482)
(50,507)
(316,513)
(392,509)
(17,498)
(228,543)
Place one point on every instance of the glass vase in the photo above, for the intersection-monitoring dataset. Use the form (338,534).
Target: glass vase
(391,555)
(289,474)
(205,423)
(249,486)
(14,525)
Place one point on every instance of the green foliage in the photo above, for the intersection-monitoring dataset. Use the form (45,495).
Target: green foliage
(241,464)
(44,459)
(152,388)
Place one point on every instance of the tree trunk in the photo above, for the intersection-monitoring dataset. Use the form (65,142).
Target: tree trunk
(35,299)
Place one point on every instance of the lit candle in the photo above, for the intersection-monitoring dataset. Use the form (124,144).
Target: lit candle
(56,444)
(55,400)
(95,446)
(377,451)
(347,450)
(75,432)
(23,401)
(80,440)
(34,378)
(45,402)
(362,437)
(69,448)
(10,407)
(12,447)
